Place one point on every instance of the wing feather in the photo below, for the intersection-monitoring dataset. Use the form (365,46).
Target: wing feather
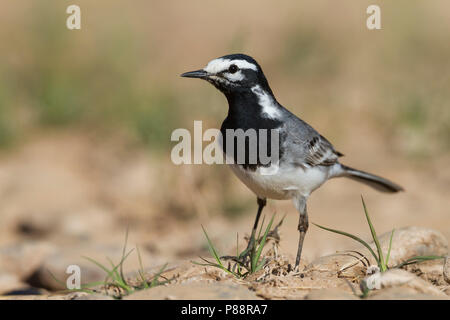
(306,147)
(321,152)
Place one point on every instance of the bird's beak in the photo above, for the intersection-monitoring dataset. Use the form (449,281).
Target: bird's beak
(201,74)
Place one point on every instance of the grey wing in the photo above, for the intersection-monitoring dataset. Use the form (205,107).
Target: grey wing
(308,147)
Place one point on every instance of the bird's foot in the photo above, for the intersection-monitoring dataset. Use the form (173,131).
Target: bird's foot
(244,257)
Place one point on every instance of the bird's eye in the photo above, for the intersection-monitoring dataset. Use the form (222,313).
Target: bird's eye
(233,68)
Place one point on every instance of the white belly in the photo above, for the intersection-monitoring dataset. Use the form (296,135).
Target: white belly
(283,183)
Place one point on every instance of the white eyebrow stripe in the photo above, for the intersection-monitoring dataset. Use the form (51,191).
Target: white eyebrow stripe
(220,64)
(216,65)
(242,64)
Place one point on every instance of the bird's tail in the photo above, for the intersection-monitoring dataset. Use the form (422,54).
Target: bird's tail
(374,181)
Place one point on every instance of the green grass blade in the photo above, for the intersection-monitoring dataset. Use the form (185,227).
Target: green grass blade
(206,264)
(114,269)
(212,249)
(261,264)
(112,274)
(257,255)
(418,259)
(98,264)
(365,244)
(118,278)
(375,238)
(237,253)
(260,228)
(141,271)
(61,283)
(154,282)
(123,252)
(210,264)
(389,249)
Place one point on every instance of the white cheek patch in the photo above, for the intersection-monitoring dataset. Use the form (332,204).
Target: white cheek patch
(269,107)
(233,77)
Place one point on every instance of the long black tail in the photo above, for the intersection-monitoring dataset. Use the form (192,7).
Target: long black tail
(374,181)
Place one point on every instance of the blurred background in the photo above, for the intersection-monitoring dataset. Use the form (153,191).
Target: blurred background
(86,117)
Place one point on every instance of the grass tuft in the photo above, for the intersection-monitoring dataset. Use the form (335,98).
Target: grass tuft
(381,262)
(241,268)
(115,279)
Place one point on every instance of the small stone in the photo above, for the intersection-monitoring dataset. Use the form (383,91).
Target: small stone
(406,243)
(22,259)
(414,241)
(400,278)
(52,272)
(10,282)
(403,293)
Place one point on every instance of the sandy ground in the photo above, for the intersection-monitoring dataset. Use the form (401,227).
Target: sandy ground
(66,195)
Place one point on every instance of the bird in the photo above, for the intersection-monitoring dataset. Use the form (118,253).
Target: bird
(306,159)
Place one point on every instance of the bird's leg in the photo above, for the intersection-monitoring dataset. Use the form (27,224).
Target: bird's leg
(251,243)
(302,226)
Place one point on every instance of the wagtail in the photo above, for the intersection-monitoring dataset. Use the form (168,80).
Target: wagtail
(306,158)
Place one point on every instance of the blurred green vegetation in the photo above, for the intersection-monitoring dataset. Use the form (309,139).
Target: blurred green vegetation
(109,75)
(307,54)
(61,85)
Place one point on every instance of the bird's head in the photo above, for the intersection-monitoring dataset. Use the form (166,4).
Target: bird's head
(232,73)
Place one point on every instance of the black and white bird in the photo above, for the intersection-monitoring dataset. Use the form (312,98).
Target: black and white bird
(306,158)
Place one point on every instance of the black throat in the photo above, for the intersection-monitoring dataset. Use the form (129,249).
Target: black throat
(245,112)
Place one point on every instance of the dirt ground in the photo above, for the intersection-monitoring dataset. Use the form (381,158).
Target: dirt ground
(66,195)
